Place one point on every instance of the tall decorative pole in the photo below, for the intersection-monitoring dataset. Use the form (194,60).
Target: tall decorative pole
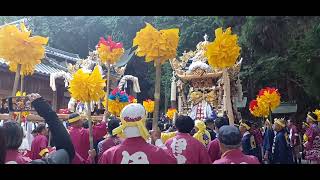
(106,114)
(16,80)
(157,46)
(222,53)
(93,84)
(19,49)
(88,107)
(109,53)
(227,91)
(156,96)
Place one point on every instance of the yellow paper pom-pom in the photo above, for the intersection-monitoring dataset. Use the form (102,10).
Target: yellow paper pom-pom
(117,100)
(170,113)
(267,100)
(26,69)
(269,97)
(108,56)
(115,106)
(156,45)
(256,110)
(317,112)
(17,47)
(109,51)
(224,50)
(87,87)
(263,109)
(148,105)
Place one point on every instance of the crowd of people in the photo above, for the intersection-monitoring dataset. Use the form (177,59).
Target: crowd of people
(130,139)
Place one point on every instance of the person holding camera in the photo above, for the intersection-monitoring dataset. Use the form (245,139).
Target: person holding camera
(13,135)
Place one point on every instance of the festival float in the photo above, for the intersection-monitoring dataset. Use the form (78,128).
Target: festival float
(202,89)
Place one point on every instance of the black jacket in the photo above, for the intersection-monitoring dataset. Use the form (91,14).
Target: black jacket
(212,134)
(60,137)
(249,146)
(281,150)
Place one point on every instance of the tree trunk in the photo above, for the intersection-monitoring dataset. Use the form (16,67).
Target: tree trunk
(106,112)
(227,93)
(156,96)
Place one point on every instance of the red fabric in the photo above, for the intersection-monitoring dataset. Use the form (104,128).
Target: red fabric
(236,157)
(194,153)
(80,140)
(14,155)
(214,150)
(107,144)
(99,130)
(39,143)
(64,111)
(135,147)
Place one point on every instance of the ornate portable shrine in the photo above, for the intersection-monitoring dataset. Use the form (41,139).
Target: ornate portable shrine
(200,88)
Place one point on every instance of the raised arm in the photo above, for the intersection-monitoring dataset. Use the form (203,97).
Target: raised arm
(59,133)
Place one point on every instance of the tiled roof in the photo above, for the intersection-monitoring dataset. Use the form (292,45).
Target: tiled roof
(40,68)
(62,54)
